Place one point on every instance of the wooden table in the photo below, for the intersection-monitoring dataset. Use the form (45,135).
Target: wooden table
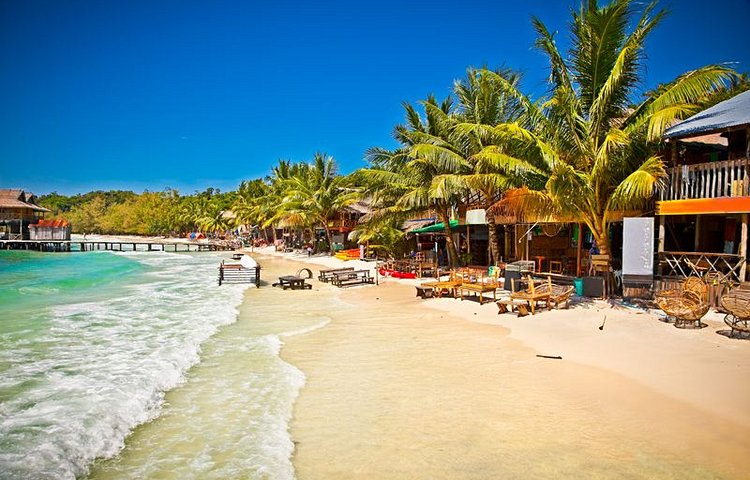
(290,281)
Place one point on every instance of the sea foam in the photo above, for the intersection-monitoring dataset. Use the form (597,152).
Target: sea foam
(74,386)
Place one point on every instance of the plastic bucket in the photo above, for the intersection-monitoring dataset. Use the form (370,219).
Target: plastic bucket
(578,282)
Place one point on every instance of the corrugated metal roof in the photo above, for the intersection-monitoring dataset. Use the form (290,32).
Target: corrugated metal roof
(725,115)
(57,223)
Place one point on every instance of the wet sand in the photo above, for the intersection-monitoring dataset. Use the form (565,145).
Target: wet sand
(399,387)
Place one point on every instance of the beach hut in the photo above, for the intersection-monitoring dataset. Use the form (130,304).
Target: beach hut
(18,209)
(703,213)
(56,229)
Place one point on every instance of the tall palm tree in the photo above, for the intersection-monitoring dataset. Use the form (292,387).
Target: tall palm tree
(481,100)
(413,177)
(593,141)
(314,193)
(249,206)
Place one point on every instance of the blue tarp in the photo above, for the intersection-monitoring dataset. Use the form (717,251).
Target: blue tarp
(734,112)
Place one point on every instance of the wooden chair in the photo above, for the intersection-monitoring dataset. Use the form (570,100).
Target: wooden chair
(533,294)
(561,294)
(556,266)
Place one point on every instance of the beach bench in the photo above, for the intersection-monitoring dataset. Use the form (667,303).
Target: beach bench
(327,275)
(508,305)
(425,291)
(293,282)
(353,277)
(438,289)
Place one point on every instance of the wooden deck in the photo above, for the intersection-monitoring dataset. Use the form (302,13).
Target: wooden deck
(728,178)
(85,246)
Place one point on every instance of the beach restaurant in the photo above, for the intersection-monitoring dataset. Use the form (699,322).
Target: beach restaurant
(703,213)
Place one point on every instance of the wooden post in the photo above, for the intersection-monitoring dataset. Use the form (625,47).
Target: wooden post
(506,242)
(743,246)
(468,238)
(578,250)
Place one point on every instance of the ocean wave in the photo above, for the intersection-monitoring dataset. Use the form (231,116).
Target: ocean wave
(74,391)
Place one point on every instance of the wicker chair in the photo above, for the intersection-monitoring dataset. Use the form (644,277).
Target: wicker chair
(687,306)
(737,303)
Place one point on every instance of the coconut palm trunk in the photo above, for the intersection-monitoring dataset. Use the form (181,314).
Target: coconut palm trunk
(450,245)
(492,234)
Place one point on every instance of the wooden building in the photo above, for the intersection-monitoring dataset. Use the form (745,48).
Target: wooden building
(18,210)
(703,212)
(42,230)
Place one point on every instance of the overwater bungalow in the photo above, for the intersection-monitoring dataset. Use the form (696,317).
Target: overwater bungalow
(18,210)
(703,212)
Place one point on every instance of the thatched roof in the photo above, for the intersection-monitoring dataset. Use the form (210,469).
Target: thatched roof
(17,198)
(360,207)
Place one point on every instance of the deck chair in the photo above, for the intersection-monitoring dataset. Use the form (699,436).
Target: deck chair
(534,293)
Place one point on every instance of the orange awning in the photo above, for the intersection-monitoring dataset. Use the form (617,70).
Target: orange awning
(697,206)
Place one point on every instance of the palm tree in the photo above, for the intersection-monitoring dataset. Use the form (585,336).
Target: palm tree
(314,193)
(482,100)
(213,219)
(249,206)
(415,177)
(592,142)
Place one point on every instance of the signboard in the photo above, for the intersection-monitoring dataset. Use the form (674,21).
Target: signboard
(476,217)
(638,250)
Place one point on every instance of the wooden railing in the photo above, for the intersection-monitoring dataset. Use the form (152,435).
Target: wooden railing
(722,267)
(728,178)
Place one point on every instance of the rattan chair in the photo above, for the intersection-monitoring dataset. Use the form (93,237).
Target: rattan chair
(737,304)
(688,305)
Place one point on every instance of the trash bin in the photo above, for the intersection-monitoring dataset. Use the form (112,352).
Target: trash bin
(578,282)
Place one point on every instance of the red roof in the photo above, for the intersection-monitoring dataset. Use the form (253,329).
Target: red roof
(58,223)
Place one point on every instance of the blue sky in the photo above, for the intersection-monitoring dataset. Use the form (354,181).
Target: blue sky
(186,94)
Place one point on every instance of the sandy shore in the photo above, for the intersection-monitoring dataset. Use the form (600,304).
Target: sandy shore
(399,387)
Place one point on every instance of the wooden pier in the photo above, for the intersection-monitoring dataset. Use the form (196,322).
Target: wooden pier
(115,246)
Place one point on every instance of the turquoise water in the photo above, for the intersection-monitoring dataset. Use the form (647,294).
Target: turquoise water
(89,344)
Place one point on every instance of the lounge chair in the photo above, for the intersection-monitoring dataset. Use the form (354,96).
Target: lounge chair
(561,294)
(534,293)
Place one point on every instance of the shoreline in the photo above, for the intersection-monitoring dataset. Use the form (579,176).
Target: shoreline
(637,372)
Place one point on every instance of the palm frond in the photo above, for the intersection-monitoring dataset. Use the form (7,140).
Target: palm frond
(638,188)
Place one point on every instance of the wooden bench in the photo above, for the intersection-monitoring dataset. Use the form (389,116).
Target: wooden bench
(479,288)
(353,277)
(509,305)
(425,291)
(327,275)
(290,281)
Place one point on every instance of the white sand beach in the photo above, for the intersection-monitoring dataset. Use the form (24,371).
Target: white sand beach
(400,387)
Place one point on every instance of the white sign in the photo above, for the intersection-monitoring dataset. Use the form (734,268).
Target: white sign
(638,246)
(476,217)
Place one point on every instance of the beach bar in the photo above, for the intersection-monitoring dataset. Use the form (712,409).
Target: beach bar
(703,212)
